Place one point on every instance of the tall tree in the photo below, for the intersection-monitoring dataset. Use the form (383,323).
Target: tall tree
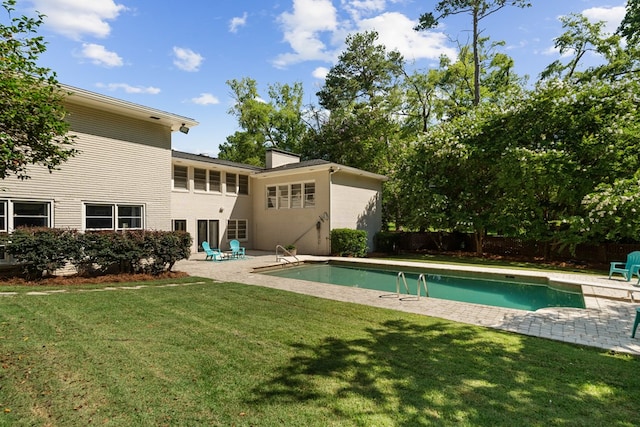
(32,126)
(277,122)
(630,25)
(478,9)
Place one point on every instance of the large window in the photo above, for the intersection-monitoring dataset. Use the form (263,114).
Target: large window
(110,216)
(294,196)
(180,177)
(98,217)
(237,229)
(200,179)
(31,214)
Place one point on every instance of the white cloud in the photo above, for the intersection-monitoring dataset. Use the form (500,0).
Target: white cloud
(612,16)
(205,99)
(315,31)
(186,59)
(320,73)
(99,55)
(150,90)
(303,29)
(77,18)
(237,22)
(395,31)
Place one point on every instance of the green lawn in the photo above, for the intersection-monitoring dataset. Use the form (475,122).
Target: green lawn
(229,354)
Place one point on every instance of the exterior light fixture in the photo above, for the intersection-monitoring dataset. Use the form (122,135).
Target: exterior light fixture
(184,129)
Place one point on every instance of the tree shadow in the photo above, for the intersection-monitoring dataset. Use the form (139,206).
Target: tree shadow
(413,374)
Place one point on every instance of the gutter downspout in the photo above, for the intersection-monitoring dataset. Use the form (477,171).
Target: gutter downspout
(332,170)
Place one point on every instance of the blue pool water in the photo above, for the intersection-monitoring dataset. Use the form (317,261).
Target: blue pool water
(500,292)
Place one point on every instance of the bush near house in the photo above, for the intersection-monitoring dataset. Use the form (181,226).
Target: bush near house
(42,251)
(348,242)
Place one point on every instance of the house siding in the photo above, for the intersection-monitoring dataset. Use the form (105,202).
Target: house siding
(356,204)
(106,169)
(293,226)
(193,205)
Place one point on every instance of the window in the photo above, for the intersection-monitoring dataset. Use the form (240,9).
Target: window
(129,216)
(237,229)
(287,196)
(283,196)
(3,215)
(179,225)
(200,179)
(231,183)
(98,217)
(309,195)
(214,181)
(31,214)
(102,217)
(271,197)
(180,177)
(243,184)
(296,196)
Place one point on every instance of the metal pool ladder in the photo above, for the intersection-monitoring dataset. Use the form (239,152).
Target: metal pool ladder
(282,256)
(422,280)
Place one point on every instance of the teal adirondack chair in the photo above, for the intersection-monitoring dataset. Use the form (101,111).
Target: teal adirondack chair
(627,269)
(212,254)
(237,251)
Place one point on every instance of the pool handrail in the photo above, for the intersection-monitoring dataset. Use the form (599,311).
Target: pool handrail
(283,257)
(422,280)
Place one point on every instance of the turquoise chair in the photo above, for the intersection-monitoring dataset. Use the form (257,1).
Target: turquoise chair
(627,269)
(237,251)
(212,254)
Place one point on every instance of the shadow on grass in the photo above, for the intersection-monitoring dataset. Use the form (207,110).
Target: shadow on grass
(406,374)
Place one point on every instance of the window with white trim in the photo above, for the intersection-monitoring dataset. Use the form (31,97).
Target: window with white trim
(31,214)
(214,181)
(3,215)
(237,229)
(200,179)
(232,186)
(283,196)
(309,194)
(179,225)
(180,177)
(102,216)
(243,184)
(294,196)
(272,202)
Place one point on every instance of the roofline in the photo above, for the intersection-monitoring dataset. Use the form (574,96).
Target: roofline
(119,106)
(330,167)
(203,158)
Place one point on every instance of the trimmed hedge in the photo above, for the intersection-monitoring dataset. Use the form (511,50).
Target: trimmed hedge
(42,251)
(348,242)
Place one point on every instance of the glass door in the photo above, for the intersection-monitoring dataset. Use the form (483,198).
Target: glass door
(208,231)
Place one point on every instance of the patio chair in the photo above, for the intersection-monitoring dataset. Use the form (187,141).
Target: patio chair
(237,251)
(212,254)
(627,269)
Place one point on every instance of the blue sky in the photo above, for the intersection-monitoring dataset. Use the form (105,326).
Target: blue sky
(177,55)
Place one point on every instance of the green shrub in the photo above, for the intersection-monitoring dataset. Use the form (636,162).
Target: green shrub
(41,251)
(348,242)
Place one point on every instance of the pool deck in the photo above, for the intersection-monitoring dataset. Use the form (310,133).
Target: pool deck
(605,323)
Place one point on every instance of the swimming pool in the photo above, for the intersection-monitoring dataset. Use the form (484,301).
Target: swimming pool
(500,291)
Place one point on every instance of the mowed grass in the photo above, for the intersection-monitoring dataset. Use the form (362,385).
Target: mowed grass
(226,354)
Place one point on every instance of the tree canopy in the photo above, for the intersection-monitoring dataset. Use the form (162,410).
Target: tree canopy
(32,126)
